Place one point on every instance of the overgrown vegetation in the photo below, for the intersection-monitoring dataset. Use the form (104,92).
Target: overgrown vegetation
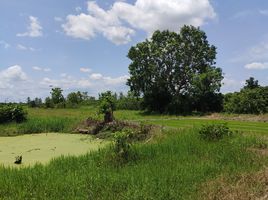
(214,132)
(12,113)
(172,167)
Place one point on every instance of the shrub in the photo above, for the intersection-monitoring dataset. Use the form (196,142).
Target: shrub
(9,113)
(18,114)
(214,132)
(123,151)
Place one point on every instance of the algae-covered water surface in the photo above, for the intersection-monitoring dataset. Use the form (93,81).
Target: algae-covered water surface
(41,148)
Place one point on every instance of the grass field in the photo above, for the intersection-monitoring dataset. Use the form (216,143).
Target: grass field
(66,120)
(176,164)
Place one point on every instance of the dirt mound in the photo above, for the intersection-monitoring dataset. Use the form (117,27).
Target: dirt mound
(104,130)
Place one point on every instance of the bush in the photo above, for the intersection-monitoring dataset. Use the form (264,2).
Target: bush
(123,151)
(9,113)
(18,114)
(214,132)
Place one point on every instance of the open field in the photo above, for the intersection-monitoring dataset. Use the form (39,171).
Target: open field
(66,120)
(176,164)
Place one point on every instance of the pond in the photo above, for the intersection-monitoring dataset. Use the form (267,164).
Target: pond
(41,148)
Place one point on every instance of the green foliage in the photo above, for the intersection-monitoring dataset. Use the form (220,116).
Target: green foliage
(251,83)
(122,147)
(74,99)
(128,102)
(172,71)
(10,113)
(57,96)
(214,132)
(107,102)
(107,105)
(37,102)
(247,101)
(49,103)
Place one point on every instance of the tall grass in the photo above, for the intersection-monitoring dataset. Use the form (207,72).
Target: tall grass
(44,125)
(171,167)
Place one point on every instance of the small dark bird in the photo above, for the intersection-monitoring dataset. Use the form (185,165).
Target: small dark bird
(18,160)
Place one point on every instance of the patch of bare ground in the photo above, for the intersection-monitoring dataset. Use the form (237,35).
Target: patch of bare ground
(242,117)
(243,187)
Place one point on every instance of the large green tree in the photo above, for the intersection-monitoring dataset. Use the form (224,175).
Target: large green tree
(171,71)
(57,96)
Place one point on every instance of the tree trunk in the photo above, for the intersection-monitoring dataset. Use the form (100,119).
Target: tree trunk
(108,117)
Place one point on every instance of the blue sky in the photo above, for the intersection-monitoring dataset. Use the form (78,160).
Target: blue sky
(82,45)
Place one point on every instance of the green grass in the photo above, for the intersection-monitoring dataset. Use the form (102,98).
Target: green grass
(172,167)
(66,120)
(243,126)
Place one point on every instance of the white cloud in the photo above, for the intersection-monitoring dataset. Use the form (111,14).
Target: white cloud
(36,68)
(118,23)
(85,70)
(95,76)
(108,80)
(34,29)
(4,44)
(11,76)
(257,65)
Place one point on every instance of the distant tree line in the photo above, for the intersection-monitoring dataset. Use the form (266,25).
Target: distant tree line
(76,99)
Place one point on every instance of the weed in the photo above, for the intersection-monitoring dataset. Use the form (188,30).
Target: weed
(214,132)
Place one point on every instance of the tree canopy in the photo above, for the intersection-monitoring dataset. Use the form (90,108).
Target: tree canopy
(176,72)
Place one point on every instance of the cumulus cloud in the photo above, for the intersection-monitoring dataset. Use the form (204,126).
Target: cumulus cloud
(36,68)
(120,22)
(85,70)
(11,77)
(34,29)
(257,65)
